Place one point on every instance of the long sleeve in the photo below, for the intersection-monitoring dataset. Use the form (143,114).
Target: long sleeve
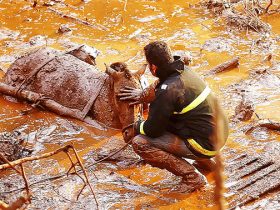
(160,111)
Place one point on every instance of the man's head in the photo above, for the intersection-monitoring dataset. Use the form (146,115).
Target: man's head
(158,55)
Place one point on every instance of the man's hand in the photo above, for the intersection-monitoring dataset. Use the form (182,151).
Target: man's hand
(131,94)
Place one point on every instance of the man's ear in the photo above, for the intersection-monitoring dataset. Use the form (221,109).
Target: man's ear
(153,68)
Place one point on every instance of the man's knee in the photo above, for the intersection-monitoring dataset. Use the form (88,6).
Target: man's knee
(140,143)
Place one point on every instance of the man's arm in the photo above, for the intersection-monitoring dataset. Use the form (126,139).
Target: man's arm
(159,114)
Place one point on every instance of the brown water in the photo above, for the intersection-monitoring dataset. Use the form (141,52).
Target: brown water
(183,24)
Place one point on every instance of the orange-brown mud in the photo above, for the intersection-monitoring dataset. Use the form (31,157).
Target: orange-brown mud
(186,27)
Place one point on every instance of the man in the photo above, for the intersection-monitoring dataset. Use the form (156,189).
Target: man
(180,120)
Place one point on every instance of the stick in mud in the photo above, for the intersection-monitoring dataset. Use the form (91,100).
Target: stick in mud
(78,20)
(269,124)
(228,65)
(21,200)
(219,170)
(64,149)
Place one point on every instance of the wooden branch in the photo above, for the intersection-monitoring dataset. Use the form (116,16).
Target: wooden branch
(218,140)
(37,157)
(269,124)
(125,4)
(78,20)
(46,102)
(267,8)
(85,174)
(64,149)
(228,65)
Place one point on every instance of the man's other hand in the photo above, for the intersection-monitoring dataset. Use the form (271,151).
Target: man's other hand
(131,94)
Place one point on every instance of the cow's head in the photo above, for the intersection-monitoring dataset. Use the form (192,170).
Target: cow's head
(120,77)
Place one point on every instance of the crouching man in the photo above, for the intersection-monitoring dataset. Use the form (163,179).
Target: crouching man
(180,120)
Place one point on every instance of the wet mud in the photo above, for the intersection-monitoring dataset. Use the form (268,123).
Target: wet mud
(251,158)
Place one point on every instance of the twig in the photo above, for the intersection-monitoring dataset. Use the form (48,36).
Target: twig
(111,155)
(37,157)
(85,173)
(125,4)
(25,180)
(64,149)
(267,8)
(219,170)
(78,20)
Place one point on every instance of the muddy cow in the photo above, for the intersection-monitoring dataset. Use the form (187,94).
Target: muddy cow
(72,80)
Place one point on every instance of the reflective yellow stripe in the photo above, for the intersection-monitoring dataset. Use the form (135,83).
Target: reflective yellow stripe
(142,128)
(200,149)
(203,95)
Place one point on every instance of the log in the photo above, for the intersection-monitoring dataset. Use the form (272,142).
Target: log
(228,65)
(45,102)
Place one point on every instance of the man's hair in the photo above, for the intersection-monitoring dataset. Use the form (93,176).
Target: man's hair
(158,53)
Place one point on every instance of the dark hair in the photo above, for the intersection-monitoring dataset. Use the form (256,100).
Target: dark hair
(158,53)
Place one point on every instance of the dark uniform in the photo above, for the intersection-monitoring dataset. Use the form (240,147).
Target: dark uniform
(183,106)
(180,124)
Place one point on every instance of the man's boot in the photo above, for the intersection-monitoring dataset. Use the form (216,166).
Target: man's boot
(205,165)
(191,179)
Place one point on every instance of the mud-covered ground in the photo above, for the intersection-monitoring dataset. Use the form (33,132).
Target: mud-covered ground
(120,31)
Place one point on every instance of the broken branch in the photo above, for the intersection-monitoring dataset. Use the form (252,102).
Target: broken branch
(78,20)
(269,124)
(231,64)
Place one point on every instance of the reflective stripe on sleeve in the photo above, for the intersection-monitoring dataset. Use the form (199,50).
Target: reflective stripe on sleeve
(142,128)
(200,149)
(203,95)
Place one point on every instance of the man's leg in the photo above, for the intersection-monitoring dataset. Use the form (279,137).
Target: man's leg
(176,146)
(151,152)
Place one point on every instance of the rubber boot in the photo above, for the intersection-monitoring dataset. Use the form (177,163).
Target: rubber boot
(191,179)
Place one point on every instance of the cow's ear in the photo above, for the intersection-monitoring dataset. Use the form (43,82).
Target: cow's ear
(111,72)
(141,71)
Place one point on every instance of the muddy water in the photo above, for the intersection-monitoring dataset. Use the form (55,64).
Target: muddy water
(187,27)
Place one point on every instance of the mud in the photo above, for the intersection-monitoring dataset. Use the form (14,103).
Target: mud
(12,146)
(121,185)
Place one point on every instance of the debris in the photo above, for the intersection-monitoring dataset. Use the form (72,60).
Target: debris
(64,29)
(247,21)
(66,149)
(49,3)
(18,204)
(78,20)
(250,177)
(231,64)
(135,33)
(151,18)
(11,146)
(264,123)
(245,110)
